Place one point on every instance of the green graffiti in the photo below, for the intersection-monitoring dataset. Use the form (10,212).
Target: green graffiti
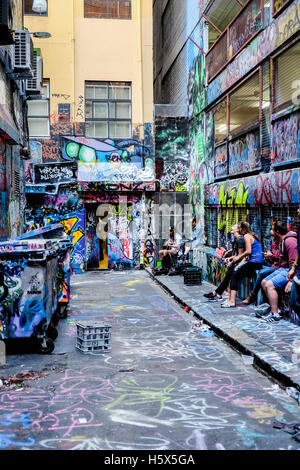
(200,145)
(72,149)
(87,154)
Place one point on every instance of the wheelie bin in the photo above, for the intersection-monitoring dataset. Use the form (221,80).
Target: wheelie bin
(56,233)
(27,277)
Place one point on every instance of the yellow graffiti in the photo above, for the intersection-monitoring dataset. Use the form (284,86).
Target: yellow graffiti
(68,225)
(134,394)
(120,211)
(232,204)
(180,187)
(266,411)
(260,409)
(131,283)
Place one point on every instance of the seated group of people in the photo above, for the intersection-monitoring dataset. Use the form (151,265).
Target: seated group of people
(173,248)
(277,269)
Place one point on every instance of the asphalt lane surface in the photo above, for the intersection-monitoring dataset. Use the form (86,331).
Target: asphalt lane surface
(165,385)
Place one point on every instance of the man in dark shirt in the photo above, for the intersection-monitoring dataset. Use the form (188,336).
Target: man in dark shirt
(239,248)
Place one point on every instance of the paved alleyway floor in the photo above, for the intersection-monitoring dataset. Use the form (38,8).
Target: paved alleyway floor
(166,385)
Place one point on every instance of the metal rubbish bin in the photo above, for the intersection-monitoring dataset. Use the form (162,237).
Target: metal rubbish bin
(55,232)
(27,277)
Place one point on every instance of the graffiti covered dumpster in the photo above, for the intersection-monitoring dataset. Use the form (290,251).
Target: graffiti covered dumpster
(27,271)
(55,232)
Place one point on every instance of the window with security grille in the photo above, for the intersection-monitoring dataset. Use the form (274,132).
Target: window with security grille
(211,226)
(287,214)
(39,114)
(220,112)
(244,105)
(35,7)
(108,110)
(112,9)
(287,77)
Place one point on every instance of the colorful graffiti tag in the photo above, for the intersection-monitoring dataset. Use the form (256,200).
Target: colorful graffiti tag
(221,162)
(107,161)
(25,303)
(172,154)
(281,29)
(286,140)
(244,154)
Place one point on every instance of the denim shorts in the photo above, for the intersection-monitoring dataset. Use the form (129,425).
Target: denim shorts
(279,278)
(295,297)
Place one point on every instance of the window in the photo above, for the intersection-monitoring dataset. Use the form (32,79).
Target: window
(286,83)
(108,110)
(117,9)
(38,114)
(245,104)
(35,7)
(221,121)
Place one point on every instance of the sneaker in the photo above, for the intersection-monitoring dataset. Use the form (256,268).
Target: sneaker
(262,310)
(210,295)
(271,318)
(215,298)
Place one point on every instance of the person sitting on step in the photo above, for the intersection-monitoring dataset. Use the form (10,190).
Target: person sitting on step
(238,247)
(278,280)
(254,254)
(272,257)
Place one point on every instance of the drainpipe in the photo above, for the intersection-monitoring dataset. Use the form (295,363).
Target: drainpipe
(140,58)
(74,68)
(140,63)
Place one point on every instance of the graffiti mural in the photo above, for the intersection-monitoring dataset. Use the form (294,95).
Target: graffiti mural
(172,154)
(54,173)
(36,151)
(196,86)
(279,31)
(65,207)
(221,161)
(244,154)
(108,161)
(24,298)
(286,140)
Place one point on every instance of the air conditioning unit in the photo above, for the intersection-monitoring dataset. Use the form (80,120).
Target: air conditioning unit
(33,85)
(6,36)
(23,55)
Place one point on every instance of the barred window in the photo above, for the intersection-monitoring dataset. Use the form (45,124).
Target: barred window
(108,109)
(211,226)
(39,114)
(245,104)
(220,112)
(286,80)
(112,9)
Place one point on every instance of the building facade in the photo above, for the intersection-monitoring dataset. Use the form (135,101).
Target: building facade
(237,68)
(91,129)
(13,126)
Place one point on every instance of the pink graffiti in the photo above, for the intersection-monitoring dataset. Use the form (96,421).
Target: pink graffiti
(220,385)
(274,188)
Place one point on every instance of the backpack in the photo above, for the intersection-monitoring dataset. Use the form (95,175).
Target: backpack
(284,253)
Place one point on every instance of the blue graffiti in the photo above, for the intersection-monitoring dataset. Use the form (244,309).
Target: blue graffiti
(6,441)
(11,418)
